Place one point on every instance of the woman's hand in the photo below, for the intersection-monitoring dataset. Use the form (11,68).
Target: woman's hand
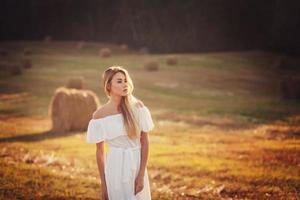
(139,184)
(104,193)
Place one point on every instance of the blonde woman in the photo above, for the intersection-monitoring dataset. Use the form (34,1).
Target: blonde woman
(123,123)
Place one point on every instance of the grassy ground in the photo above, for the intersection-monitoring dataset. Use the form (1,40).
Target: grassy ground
(222,130)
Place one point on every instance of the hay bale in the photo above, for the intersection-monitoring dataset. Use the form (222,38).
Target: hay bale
(105,52)
(27,52)
(47,39)
(124,47)
(26,64)
(290,87)
(16,70)
(144,50)
(171,60)
(71,109)
(80,45)
(4,66)
(278,61)
(151,65)
(287,63)
(75,83)
(3,52)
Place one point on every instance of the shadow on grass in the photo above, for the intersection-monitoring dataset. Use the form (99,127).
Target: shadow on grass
(33,137)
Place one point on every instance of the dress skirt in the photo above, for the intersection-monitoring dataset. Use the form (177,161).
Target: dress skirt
(121,169)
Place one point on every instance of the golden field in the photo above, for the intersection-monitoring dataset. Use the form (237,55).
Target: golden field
(221,129)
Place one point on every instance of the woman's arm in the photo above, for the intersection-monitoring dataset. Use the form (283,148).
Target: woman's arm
(139,181)
(100,157)
(144,153)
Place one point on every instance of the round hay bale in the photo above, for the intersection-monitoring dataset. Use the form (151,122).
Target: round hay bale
(4,66)
(80,45)
(3,52)
(124,47)
(151,65)
(171,60)
(75,83)
(290,87)
(105,52)
(71,109)
(27,52)
(26,63)
(16,70)
(278,62)
(47,39)
(288,63)
(144,50)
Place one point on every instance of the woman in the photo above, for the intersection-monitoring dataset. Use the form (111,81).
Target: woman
(123,122)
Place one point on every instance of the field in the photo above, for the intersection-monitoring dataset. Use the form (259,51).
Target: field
(222,131)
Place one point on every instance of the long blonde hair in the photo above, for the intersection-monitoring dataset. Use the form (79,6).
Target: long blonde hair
(127,105)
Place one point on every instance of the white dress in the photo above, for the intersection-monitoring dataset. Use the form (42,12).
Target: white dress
(123,158)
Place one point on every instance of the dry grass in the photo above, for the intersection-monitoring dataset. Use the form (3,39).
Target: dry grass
(207,163)
(222,132)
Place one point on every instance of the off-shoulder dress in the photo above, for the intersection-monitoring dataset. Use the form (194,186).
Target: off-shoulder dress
(124,154)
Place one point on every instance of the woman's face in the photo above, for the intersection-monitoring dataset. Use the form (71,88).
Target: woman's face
(119,86)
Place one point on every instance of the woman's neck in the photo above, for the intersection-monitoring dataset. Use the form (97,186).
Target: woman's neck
(115,101)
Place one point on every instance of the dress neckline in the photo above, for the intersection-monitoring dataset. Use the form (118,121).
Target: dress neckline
(112,115)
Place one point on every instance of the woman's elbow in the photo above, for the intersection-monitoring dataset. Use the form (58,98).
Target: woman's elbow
(100,148)
(144,139)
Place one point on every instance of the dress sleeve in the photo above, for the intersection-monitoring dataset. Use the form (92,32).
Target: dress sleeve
(95,132)
(145,120)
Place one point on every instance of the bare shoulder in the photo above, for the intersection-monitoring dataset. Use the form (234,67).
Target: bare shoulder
(100,112)
(139,104)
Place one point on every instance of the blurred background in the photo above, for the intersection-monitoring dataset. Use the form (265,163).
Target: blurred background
(221,79)
(162,26)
